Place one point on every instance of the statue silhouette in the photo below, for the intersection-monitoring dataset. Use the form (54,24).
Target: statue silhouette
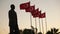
(13,21)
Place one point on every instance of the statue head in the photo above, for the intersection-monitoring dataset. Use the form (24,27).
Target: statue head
(12,6)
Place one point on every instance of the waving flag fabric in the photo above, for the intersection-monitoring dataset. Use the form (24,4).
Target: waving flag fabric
(43,15)
(30,9)
(24,5)
(34,13)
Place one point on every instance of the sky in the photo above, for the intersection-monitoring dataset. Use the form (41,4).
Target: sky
(51,7)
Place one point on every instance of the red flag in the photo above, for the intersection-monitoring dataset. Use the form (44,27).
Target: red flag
(38,13)
(24,5)
(30,9)
(35,13)
(43,15)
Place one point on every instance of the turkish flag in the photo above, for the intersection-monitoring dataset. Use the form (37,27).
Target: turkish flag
(30,9)
(43,15)
(24,5)
(38,13)
(35,13)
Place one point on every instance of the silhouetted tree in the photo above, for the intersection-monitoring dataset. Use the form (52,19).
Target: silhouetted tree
(28,31)
(49,32)
(53,31)
(21,32)
(40,33)
(34,29)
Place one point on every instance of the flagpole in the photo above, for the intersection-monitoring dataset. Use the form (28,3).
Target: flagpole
(30,20)
(36,26)
(42,26)
(46,24)
(39,25)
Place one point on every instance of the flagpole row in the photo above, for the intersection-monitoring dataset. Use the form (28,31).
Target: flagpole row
(35,12)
